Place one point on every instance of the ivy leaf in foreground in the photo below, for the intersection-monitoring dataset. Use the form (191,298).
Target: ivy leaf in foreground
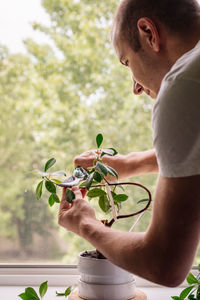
(185,292)
(191,279)
(50,186)
(66,293)
(176,298)
(43,289)
(39,190)
(49,164)
(23,296)
(31,293)
(99,140)
(69,196)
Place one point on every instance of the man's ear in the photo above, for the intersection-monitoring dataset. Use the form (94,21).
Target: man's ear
(148,34)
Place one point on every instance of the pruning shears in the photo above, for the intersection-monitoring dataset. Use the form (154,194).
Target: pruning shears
(79,174)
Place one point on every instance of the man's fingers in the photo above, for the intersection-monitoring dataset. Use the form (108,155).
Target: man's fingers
(85,159)
(77,192)
(63,203)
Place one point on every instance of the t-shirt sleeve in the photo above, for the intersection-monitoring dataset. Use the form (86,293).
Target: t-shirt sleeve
(176,125)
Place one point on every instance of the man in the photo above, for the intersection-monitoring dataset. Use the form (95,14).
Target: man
(159,41)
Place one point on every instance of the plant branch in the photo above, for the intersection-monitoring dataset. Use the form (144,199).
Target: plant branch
(109,224)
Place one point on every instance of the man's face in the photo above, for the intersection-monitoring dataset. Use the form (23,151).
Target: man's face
(141,68)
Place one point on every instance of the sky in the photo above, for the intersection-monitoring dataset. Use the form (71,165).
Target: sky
(15,22)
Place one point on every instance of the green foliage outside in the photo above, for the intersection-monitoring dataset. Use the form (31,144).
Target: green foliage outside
(54,101)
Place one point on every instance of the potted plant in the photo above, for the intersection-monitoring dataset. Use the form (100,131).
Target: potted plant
(99,278)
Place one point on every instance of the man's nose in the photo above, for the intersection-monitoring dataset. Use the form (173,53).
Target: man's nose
(137,88)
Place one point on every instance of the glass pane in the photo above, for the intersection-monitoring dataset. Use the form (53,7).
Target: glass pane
(55,98)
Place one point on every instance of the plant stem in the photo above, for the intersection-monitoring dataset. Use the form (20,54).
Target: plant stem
(109,224)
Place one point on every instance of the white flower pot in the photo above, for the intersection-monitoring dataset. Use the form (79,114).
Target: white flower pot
(102,280)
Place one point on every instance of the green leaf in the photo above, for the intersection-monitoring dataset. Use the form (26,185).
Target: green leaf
(120,197)
(97,177)
(56,181)
(68,291)
(50,186)
(191,279)
(175,298)
(31,293)
(104,203)
(109,151)
(24,296)
(69,196)
(43,174)
(58,173)
(39,190)
(99,140)
(112,171)
(114,150)
(191,296)
(56,198)
(88,182)
(51,200)
(49,164)
(185,292)
(142,201)
(43,289)
(60,294)
(96,192)
(102,169)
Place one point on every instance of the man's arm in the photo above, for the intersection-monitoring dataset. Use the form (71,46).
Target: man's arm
(164,254)
(132,164)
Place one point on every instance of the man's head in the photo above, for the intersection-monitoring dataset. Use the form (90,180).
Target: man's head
(141,30)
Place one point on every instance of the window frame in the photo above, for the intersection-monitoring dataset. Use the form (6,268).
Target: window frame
(57,275)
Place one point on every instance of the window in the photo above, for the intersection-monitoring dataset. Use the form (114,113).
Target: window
(55,97)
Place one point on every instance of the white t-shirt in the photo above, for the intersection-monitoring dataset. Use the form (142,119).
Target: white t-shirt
(176,118)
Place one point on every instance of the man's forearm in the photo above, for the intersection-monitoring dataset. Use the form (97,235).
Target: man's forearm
(134,163)
(128,250)
(145,162)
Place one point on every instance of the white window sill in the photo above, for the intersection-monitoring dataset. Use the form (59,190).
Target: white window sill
(153,293)
(14,279)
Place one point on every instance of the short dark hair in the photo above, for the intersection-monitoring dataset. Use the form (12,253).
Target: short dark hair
(178,16)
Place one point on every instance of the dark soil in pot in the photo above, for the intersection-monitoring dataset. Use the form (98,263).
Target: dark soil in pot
(93,254)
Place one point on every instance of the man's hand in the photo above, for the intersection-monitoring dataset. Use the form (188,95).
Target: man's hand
(126,166)
(74,217)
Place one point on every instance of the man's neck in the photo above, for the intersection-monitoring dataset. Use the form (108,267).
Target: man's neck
(178,46)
